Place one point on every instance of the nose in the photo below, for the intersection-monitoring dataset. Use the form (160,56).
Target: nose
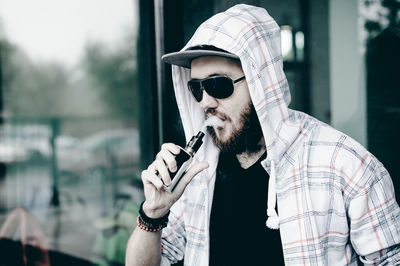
(208,102)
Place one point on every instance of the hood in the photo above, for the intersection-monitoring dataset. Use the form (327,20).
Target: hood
(253,35)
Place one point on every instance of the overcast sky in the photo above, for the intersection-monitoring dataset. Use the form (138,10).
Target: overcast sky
(49,29)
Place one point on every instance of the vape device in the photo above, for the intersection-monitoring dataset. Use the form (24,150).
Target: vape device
(184,159)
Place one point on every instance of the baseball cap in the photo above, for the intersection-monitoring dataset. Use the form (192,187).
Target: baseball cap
(184,58)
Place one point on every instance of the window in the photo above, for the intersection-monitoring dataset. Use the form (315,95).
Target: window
(69,138)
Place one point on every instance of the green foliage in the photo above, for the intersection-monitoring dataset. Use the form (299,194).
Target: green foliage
(103,84)
(35,92)
(32,89)
(110,243)
(113,73)
(8,69)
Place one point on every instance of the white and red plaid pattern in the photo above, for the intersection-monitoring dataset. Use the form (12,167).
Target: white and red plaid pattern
(335,200)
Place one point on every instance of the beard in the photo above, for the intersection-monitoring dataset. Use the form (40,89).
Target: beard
(245,138)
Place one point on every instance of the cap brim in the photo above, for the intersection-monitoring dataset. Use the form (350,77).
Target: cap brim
(184,58)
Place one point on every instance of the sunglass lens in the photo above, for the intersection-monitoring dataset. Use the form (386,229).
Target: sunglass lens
(217,87)
(194,87)
(222,88)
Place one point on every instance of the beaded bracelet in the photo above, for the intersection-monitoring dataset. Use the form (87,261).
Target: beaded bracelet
(147,228)
(150,224)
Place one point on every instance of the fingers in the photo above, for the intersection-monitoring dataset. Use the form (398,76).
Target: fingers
(171,148)
(162,170)
(149,177)
(191,172)
(168,158)
(157,173)
(167,154)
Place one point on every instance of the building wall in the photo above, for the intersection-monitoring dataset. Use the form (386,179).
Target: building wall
(347,74)
(319,60)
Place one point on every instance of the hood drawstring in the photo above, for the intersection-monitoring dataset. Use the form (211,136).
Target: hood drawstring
(273,219)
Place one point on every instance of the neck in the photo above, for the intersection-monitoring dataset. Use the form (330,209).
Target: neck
(247,159)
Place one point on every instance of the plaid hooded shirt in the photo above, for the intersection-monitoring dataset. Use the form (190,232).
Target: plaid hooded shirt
(336,201)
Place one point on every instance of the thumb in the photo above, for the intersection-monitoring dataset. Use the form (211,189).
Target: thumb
(189,175)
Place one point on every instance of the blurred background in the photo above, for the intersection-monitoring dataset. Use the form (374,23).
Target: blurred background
(85,104)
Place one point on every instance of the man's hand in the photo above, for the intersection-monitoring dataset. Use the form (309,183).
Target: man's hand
(158,201)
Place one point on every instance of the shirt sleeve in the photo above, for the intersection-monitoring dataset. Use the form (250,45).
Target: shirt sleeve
(374,216)
(173,239)
(389,256)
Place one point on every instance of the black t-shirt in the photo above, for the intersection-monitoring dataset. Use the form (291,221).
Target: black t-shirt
(238,234)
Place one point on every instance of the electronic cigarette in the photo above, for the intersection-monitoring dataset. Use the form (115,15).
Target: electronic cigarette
(185,157)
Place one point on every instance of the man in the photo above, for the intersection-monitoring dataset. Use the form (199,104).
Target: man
(335,200)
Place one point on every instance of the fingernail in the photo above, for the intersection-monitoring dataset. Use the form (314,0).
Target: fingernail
(173,169)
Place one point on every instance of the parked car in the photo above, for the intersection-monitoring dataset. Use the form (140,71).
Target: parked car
(24,142)
(12,153)
(111,153)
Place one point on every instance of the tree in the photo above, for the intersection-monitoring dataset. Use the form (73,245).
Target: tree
(103,84)
(30,89)
(45,88)
(113,73)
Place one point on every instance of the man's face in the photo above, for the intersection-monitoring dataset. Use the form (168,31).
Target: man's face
(236,111)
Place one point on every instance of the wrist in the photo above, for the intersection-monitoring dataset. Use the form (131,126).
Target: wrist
(149,224)
(152,211)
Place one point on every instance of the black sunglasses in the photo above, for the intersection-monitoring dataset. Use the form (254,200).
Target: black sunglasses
(219,87)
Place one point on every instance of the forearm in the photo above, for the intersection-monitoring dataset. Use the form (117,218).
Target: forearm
(144,248)
(144,245)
